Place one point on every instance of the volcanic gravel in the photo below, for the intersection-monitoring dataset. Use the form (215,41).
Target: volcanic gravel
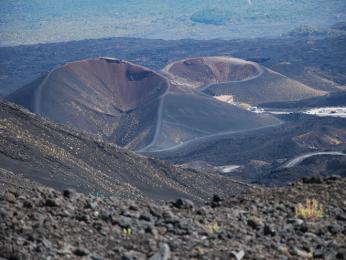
(41,223)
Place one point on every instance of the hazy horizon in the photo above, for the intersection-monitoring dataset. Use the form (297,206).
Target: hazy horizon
(36,21)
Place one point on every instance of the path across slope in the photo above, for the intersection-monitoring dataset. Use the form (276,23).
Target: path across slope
(297,160)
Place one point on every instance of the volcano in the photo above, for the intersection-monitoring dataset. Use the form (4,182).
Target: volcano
(138,108)
(108,97)
(248,82)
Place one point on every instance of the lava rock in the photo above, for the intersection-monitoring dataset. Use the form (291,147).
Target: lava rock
(10,197)
(255,223)
(268,231)
(52,203)
(183,204)
(69,193)
(80,251)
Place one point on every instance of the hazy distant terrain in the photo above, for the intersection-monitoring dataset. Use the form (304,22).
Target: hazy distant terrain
(317,62)
(35,21)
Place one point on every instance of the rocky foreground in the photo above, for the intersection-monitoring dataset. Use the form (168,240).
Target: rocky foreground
(41,223)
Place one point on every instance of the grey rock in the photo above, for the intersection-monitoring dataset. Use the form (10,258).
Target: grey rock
(69,193)
(170,218)
(301,253)
(52,203)
(238,254)
(312,180)
(124,222)
(27,204)
(80,251)
(216,201)
(130,214)
(6,251)
(302,228)
(295,221)
(341,217)
(255,223)
(334,229)
(318,253)
(134,255)
(145,217)
(91,205)
(341,254)
(81,216)
(164,253)
(96,257)
(10,197)
(268,231)
(183,204)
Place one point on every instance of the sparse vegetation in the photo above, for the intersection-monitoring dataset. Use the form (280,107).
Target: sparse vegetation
(127,232)
(214,228)
(257,224)
(311,209)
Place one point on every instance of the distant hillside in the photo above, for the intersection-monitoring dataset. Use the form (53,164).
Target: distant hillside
(334,99)
(299,134)
(60,157)
(321,165)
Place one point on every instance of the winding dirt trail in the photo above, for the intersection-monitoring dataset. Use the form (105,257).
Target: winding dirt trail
(210,137)
(38,95)
(297,160)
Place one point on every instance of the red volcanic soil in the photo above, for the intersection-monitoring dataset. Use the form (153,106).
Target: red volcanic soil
(103,96)
(207,70)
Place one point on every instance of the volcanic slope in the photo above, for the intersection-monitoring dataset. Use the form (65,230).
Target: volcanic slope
(115,99)
(60,157)
(131,106)
(189,116)
(333,99)
(299,134)
(248,82)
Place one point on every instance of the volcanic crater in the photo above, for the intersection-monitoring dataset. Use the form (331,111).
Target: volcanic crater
(105,96)
(201,71)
